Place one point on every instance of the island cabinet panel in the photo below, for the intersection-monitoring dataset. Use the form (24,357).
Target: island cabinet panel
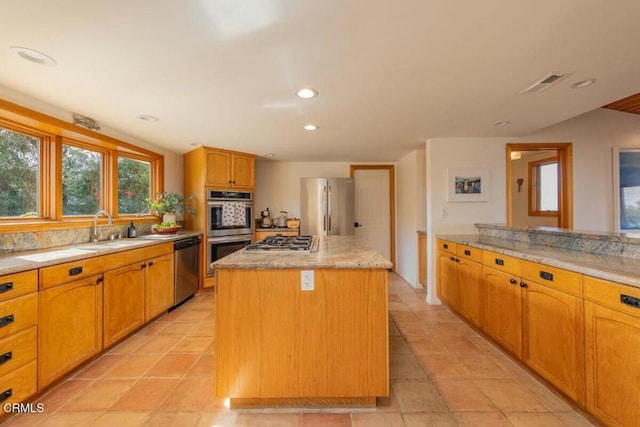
(553,337)
(70,327)
(274,340)
(123,302)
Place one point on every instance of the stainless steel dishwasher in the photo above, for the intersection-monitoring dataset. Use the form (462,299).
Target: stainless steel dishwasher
(186,268)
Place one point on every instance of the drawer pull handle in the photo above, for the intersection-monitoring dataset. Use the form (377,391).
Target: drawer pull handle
(513,281)
(523,285)
(6,320)
(445,246)
(6,394)
(452,258)
(6,287)
(630,301)
(499,261)
(75,271)
(546,276)
(467,252)
(6,357)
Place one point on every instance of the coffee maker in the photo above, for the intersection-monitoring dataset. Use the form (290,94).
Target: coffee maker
(266,218)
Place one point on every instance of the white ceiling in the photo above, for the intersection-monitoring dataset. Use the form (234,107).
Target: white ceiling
(391,74)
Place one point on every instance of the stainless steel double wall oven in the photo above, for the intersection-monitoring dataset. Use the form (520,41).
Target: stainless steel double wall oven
(230,223)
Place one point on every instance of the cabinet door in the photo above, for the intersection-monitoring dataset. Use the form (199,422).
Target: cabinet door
(218,169)
(243,172)
(159,286)
(70,327)
(447,285)
(469,286)
(613,350)
(553,337)
(502,309)
(123,301)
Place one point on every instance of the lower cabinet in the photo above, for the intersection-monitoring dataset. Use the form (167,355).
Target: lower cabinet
(502,311)
(159,289)
(70,332)
(469,288)
(447,279)
(123,301)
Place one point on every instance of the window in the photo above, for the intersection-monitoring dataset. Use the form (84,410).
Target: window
(134,185)
(19,174)
(81,181)
(543,187)
(627,188)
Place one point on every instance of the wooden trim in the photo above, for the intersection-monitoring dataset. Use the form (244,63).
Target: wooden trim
(315,402)
(392,203)
(565,177)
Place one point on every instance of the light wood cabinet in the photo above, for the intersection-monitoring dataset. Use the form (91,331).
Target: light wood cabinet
(260,235)
(70,332)
(422,259)
(612,340)
(159,286)
(123,306)
(502,311)
(19,384)
(469,287)
(553,337)
(226,169)
(447,279)
(15,285)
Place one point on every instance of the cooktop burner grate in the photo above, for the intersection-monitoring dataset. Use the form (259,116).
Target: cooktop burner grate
(304,244)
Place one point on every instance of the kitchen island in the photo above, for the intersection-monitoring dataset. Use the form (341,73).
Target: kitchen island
(282,342)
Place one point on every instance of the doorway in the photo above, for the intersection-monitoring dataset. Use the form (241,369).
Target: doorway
(544,153)
(375,207)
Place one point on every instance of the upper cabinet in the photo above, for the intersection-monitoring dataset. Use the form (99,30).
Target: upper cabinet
(226,169)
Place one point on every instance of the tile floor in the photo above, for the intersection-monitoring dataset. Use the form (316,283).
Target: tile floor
(442,374)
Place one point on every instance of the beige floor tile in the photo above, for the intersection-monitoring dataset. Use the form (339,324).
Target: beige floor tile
(26,420)
(181,328)
(443,365)
(480,366)
(393,330)
(573,419)
(189,395)
(192,316)
(173,365)
(443,419)
(131,344)
(100,366)
(397,344)
(159,344)
(269,420)
(483,345)
(99,396)
(217,419)
(418,396)
(154,328)
(133,366)
(129,419)
(172,419)
(64,392)
(451,329)
(532,419)
(458,345)
(413,328)
(552,400)
(427,345)
(192,344)
(405,366)
(326,420)
(203,367)
(145,395)
(405,315)
(70,420)
(377,419)
(509,396)
(482,419)
(462,394)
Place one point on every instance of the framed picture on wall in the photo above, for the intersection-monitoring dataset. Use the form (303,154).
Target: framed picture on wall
(468,185)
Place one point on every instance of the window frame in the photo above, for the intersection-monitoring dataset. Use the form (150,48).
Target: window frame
(534,192)
(53,133)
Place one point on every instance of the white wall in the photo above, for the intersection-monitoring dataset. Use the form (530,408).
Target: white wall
(407,207)
(172,160)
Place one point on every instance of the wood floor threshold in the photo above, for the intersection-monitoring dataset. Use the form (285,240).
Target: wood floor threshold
(302,402)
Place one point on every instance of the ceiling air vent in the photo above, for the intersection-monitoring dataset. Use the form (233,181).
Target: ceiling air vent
(544,82)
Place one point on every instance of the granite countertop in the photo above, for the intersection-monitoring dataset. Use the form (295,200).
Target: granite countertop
(17,262)
(608,267)
(333,252)
(422,232)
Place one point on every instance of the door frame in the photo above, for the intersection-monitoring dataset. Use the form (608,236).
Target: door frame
(392,203)
(565,177)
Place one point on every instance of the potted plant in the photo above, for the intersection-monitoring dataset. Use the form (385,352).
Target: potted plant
(169,204)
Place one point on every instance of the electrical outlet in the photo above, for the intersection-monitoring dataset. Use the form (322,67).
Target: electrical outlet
(306,280)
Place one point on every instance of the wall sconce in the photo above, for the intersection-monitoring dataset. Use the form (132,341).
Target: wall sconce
(516,155)
(519,181)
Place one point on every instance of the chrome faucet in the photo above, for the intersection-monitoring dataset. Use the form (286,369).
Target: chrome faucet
(97,233)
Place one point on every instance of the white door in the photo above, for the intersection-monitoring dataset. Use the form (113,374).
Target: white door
(372,208)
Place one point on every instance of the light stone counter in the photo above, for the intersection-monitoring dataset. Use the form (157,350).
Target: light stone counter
(619,269)
(333,252)
(17,262)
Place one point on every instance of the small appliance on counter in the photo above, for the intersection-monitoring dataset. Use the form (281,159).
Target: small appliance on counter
(282,220)
(266,218)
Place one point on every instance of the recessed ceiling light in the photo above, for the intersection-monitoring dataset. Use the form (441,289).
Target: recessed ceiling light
(307,93)
(310,126)
(502,123)
(583,83)
(33,55)
(147,118)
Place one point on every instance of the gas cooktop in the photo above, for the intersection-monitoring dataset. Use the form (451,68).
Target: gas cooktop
(301,244)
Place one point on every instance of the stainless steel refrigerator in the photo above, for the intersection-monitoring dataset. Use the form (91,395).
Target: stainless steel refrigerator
(326,206)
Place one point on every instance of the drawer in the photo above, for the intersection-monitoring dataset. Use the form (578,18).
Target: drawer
(446,246)
(17,350)
(19,384)
(14,285)
(18,314)
(615,295)
(69,271)
(562,280)
(501,262)
(467,252)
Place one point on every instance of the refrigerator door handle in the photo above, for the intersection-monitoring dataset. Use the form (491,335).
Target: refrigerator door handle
(324,208)
(329,207)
